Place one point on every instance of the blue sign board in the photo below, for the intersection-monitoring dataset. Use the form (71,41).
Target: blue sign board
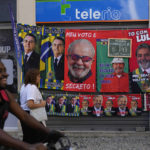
(91,10)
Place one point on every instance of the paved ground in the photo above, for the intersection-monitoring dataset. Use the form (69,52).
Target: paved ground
(111,141)
(106,140)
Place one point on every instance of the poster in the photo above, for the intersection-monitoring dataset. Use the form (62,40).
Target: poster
(122,105)
(46,46)
(62,105)
(140,60)
(94,105)
(86,102)
(88,67)
(139,67)
(80,61)
(112,73)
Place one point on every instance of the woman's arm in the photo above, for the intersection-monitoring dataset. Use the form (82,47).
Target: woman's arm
(25,117)
(32,122)
(32,105)
(34,97)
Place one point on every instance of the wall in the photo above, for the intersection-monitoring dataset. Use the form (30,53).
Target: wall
(25,10)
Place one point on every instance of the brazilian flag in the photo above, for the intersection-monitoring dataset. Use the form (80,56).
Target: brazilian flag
(46,59)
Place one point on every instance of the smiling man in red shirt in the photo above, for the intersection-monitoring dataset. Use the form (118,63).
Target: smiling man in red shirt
(118,81)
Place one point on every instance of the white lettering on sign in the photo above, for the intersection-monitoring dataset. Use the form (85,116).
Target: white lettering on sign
(5,49)
(142,38)
(78,86)
(81,35)
(84,34)
(97,15)
(141,35)
(71,34)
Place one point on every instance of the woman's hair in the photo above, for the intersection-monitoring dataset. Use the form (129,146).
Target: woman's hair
(31,76)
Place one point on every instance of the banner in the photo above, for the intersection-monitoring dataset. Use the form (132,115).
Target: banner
(140,60)
(86,102)
(45,36)
(80,61)
(51,48)
(62,105)
(122,105)
(94,105)
(108,70)
(90,10)
(112,72)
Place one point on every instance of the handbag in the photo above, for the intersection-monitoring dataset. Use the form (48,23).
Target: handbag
(39,113)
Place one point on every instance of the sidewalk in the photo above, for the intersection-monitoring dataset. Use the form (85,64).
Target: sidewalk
(112,140)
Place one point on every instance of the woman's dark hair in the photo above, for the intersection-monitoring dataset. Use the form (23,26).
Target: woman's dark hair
(31,76)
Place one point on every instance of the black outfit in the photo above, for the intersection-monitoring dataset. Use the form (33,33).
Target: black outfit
(33,62)
(70,108)
(47,107)
(76,80)
(118,113)
(36,136)
(134,87)
(58,109)
(93,111)
(4,109)
(59,69)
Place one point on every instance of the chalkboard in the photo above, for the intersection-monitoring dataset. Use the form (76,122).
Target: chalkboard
(119,47)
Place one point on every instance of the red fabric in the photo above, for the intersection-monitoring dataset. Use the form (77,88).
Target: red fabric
(89,85)
(147,101)
(5,115)
(4,95)
(4,107)
(114,99)
(130,97)
(138,36)
(116,84)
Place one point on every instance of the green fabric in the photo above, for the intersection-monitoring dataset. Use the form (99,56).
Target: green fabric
(104,66)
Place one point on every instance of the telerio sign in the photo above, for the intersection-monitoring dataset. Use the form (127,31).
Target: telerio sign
(91,10)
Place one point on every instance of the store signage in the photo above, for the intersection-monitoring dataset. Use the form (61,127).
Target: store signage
(91,10)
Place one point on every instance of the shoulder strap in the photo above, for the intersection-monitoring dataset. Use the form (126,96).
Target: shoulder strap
(4,95)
